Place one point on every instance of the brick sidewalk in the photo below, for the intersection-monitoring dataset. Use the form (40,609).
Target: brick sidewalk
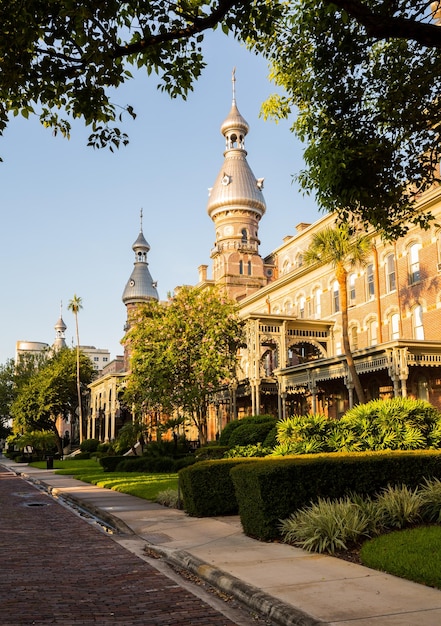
(56,568)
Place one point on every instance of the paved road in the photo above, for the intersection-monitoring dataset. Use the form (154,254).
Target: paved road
(56,568)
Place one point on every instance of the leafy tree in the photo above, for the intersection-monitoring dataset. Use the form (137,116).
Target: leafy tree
(337,246)
(130,435)
(363,77)
(61,60)
(75,305)
(182,351)
(51,392)
(363,81)
(41,441)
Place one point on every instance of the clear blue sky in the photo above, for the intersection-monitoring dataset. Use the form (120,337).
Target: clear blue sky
(70,214)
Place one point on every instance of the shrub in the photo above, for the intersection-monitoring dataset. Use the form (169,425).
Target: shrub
(396,424)
(208,453)
(224,439)
(399,506)
(256,450)
(250,433)
(327,526)
(109,463)
(89,445)
(168,497)
(207,488)
(105,448)
(431,500)
(304,434)
(270,489)
(270,440)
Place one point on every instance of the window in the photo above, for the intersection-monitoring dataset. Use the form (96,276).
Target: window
(370,285)
(353,337)
(96,358)
(317,296)
(244,235)
(417,322)
(301,307)
(414,263)
(240,267)
(438,248)
(394,326)
(105,359)
(286,266)
(249,268)
(351,289)
(299,260)
(391,280)
(372,328)
(336,297)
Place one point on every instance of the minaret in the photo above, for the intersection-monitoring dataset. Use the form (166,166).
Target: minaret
(140,287)
(60,327)
(236,205)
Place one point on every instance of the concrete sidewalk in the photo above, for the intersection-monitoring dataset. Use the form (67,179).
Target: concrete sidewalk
(286,584)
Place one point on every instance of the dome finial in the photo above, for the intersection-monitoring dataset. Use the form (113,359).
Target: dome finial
(140,218)
(233,80)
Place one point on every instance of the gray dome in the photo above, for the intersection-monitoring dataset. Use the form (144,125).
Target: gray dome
(236,187)
(140,287)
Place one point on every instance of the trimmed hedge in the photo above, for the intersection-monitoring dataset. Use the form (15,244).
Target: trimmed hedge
(207,489)
(109,463)
(269,490)
(224,439)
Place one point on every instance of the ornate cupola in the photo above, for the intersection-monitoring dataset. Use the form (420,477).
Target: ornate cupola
(236,205)
(60,328)
(140,287)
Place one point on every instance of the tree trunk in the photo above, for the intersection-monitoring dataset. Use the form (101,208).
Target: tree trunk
(80,408)
(342,278)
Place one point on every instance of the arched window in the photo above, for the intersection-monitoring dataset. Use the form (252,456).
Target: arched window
(372,329)
(336,297)
(317,298)
(286,266)
(299,260)
(414,263)
(240,267)
(301,307)
(244,235)
(351,288)
(249,268)
(417,322)
(394,326)
(370,285)
(391,279)
(353,337)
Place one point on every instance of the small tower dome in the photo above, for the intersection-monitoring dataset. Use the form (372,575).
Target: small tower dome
(140,287)
(60,328)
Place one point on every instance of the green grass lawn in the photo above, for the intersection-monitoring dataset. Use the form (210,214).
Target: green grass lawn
(145,486)
(413,553)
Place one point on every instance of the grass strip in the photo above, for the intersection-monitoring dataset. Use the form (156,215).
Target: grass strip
(146,486)
(414,554)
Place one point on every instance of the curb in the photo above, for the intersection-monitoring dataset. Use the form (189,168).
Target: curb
(267,606)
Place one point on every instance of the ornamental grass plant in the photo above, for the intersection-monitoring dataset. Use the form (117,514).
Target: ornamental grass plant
(338,525)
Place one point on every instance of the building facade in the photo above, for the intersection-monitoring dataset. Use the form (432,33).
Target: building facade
(293,362)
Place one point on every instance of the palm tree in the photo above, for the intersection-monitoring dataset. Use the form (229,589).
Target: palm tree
(75,305)
(338,246)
